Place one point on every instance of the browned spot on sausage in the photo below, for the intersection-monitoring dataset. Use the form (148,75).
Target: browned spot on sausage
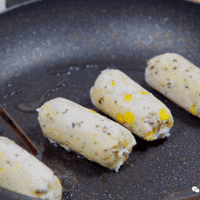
(165,68)
(96,153)
(169,85)
(152,67)
(40,192)
(100,100)
(175,68)
(150,122)
(51,118)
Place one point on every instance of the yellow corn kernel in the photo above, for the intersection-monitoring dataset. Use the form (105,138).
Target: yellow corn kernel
(193,110)
(59,181)
(113,83)
(129,117)
(0,168)
(169,124)
(46,106)
(163,114)
(121,118)
(144,92)
(150,136)
(126,143)
(128,97)
(92,111)
(161,84)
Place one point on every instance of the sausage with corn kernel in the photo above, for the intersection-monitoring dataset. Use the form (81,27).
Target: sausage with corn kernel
(86,132)
(131,105)
(21,172)
(176,78)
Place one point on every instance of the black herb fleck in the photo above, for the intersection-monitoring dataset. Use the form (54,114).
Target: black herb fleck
(175,68)
(186,86)
(73,125)
(115,101)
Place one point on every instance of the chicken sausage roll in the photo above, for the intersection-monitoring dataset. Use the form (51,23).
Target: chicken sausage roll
(21,172)
(86,132)
(118,96)
(177,79)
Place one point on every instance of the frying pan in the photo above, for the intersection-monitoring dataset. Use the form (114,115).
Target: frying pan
(58,48)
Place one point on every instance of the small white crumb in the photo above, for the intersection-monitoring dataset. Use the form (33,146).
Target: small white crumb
(195,189)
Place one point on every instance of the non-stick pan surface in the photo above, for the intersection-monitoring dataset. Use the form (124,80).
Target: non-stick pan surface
(58,48)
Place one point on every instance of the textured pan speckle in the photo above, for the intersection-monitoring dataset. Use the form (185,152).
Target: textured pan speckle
(58,48)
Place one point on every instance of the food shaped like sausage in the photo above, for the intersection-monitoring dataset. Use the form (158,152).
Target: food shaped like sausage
(117,95)
(86,132)
(21,172)
(176,78)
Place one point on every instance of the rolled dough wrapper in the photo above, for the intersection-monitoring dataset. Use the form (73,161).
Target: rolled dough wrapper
(86,132)
(117,95)
(176,78)
(21,172)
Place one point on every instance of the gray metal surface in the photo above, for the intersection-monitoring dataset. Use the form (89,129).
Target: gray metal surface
(58,48)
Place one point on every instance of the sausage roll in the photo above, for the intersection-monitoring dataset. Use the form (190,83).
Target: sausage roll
(86,132)
(177,79)
(23,173)
(118,96)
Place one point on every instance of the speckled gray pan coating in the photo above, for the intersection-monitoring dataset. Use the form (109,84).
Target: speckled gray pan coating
(42,43)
